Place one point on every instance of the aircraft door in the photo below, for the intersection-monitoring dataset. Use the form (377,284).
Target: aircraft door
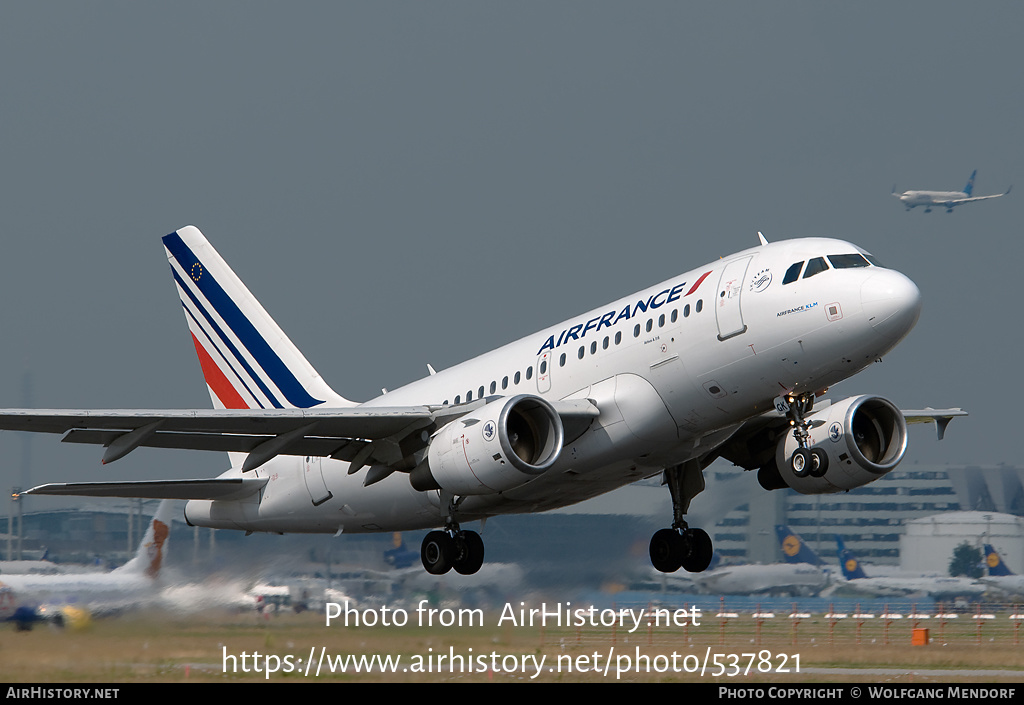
(312,474)
(544,372)
(727,304)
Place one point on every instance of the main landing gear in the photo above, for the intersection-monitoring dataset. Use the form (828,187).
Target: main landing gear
(681,546)
(452,547)
(805,461)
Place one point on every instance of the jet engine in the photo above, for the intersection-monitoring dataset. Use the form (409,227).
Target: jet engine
(501,445)
(852,443)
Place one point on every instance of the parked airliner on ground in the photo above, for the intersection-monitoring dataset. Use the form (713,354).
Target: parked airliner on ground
(945,199)
(802,573)
(76,596)
(937,586)
(725,360)
(1000,576)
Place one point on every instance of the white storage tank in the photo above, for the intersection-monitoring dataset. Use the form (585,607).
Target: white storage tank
(928,543)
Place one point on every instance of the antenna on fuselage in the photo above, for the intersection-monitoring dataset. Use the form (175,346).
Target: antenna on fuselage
(762,238)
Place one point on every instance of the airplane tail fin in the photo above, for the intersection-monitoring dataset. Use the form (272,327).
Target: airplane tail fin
(970,183)
(794,550)
(247,360)
(995,563)
(848,562)
(152,549)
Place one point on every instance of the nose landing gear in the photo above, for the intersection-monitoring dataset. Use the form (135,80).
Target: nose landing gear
(805,461)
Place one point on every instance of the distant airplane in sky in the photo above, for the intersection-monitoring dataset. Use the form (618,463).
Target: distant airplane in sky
(945,199)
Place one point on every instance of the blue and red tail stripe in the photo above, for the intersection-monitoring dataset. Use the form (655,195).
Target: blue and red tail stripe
(212,302)
(216,340)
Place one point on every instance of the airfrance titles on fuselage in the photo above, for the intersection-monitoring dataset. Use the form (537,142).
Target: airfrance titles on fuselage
(609,319)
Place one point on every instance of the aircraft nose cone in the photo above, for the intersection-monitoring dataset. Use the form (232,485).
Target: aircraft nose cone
(892,303)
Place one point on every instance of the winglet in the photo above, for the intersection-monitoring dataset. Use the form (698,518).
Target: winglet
(762,238)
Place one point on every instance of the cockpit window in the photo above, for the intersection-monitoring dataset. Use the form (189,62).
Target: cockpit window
(847,261)
(873,260)
(793,273)
(815,266)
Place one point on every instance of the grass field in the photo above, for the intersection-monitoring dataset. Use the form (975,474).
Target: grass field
(215,647)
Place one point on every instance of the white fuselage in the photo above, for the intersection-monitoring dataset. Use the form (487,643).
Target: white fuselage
(777,578)
(674,369)
(938,586)
(930,198)
(1012,585)
(95,592)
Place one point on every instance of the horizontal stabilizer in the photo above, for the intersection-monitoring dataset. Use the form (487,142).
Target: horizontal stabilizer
(227,488)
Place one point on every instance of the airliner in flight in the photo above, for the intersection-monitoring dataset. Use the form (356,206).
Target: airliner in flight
(74,597)
(727,360)
(943,199)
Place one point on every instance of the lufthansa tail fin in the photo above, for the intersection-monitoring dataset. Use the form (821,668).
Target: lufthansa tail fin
(970,183)
(848,562)
(794,550)
(152,549)
(994,562)
(246,358)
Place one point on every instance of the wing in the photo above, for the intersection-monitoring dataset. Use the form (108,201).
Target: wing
(972,199)
(390,436)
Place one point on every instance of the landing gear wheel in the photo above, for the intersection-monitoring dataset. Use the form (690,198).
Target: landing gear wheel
(437,552)
(469,548)
(801,462)
(698,550)
(667,550)
(819,462)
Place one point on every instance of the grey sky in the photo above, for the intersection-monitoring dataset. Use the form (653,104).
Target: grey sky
(412,182)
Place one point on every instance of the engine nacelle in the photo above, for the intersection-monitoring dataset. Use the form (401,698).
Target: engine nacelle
(860,439)
(499,446)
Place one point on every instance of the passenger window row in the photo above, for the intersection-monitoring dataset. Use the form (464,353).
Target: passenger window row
(581,353)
